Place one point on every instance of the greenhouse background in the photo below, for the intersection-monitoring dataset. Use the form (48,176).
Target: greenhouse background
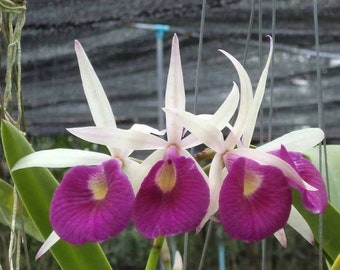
(124,56)
(125,59)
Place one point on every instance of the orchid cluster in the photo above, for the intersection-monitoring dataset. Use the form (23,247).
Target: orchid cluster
(247,189)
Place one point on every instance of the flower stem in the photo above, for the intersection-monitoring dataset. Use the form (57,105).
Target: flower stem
(154,253)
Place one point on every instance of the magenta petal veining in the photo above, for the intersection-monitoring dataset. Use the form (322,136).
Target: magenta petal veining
(313,201)
(173,197)
(255,200)
(92,203)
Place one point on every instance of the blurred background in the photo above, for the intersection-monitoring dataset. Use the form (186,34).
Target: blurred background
(125,59)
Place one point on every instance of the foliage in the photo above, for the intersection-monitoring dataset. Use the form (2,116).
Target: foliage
(35,187)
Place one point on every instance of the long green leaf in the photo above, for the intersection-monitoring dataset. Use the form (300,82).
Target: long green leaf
(330,227)
(6,212)
(333,169)
(36,187)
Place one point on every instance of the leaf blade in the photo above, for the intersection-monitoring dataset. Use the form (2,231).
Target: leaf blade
(36,187)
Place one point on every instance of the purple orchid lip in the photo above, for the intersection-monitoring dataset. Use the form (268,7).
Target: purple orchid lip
(92,203)
(173,197)
(313,201)
(255,200)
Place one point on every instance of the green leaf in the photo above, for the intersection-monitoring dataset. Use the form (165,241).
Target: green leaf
(36,187)
(333,168)
(330,227)
(331,217)
(6,211)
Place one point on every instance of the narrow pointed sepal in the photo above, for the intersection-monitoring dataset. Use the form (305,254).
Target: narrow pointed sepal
(174,93)
(119,138)
(96,98)
(61,158)
(173,197)
(92,203)
(246,100)
(259,93)
(255,200)
(299,224)
(51,240)
(297,140)
(200,128)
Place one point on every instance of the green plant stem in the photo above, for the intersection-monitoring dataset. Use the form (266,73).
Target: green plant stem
(154,253)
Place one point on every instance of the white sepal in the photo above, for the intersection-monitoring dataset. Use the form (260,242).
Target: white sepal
(280,235)
(174,93)
(246,100)
(119,138)
(259,92)
(222,116)
(148,129)
(178,263)
(298,140)
(50,241)
(96,98)
(299,224)
(201,129)
(131,169)
(215,184)
(61,158)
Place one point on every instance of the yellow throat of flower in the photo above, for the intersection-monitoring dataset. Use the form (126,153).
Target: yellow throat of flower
(98,187)
(166,177)
(251,183)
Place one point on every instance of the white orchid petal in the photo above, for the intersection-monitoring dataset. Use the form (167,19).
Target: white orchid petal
(178,263)
(190,141)
(131,167)
(60,158)
(298,140)
(147,163)
(204,116)
(123,153)
(299,224)
(215,183)
(280,235)
(50,241)
(268,159)
(201,129)
(259,92)
(246,99)
(148,129)
(174,94)
(96,98)
(224,113)
(119,138)
(219,119)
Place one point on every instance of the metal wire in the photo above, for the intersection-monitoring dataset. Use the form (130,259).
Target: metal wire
(205,247)
(199,57)
(271,86)
(320,114)
(250,25)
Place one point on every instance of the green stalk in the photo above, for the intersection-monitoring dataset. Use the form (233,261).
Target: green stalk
(154,253)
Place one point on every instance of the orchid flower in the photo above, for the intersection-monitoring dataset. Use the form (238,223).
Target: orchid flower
(94,200)
(173,196)
(253,192)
